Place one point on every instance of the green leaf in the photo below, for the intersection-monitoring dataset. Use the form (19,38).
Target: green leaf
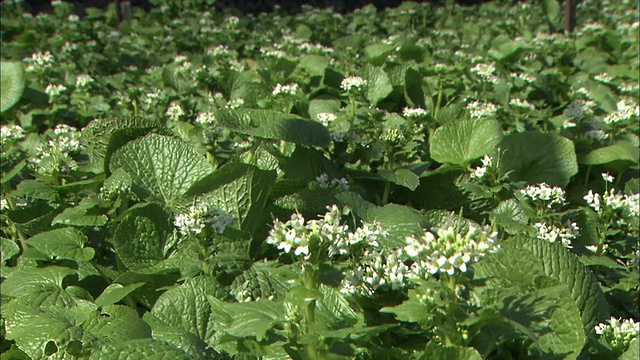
(377,54)
(33,329)
(323,104)
(398,220)
(410,310)
(522,260)
(402,177)
(539,157)
(413,88)
(96,136)
(253,319)
(551,9)
(239,189)
(162,168)
(139,349)
(12,79)
(439,352)
(143,240)
(40,286)
(510,216)
(8,249)
(459,142)
(314,64)
(186,307)
(453,112)
(65,243)
(195,347)
(378,83)
(34,219)
(633,353)
(116,292)
(273,125)
(35,189)
(623,151)
(81,215)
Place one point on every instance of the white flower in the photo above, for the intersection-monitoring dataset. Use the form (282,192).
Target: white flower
(235,103)
(54,91)
(414,112)
(174,112)
(598,135)
(553,233)
(448,250)
(290,89)
(607,177)
(480,171)
(326,118)
(274,53)
(545,194)
(203,216)
(206,118)
(353,82)
(626,109)
(604,78)
(73,18)
(486,71)
(83,80)
(618,333)
(522,104)
(10,134)
(481,110)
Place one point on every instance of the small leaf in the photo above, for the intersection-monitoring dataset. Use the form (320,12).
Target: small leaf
(378,83)
(459,142)
(116,292)
(274,125)
(510,216)
(80,215)
(13,79)
(377,54)
(314,64)
(620,151)
(402,177)
(65,243)
(8,249)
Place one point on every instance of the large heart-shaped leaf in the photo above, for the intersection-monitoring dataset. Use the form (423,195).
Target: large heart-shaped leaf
(162,168)
(459,142)
(12,77)
(539,157)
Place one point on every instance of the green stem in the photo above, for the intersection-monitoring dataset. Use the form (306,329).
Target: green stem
(352,115)
(437,109)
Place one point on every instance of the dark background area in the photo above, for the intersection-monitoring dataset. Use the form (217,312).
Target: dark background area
(251,6)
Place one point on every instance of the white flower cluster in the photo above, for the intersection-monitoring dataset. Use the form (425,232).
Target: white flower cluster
(83,80)
(326,118)
(618,333)
(206,118)
(203,216)
(522,104)
(174,112)
(480,171)
(353,83)
(151,98)
(628,205)
(290,89)
(629,88)
(295,234)
(526,78)
(449,251)
(306,47)
(544,193)
(113,188)
(603,78)
(486,71)
(481,110)
(273,53)
(414,112)
(235,103)
(378,268)
(340,184)
(55,154)
(54,91)
(218,51)
(554,233)
(10,134)
(626,110)
(39,61)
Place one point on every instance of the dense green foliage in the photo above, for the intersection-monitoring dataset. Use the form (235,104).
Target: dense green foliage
(416,183)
